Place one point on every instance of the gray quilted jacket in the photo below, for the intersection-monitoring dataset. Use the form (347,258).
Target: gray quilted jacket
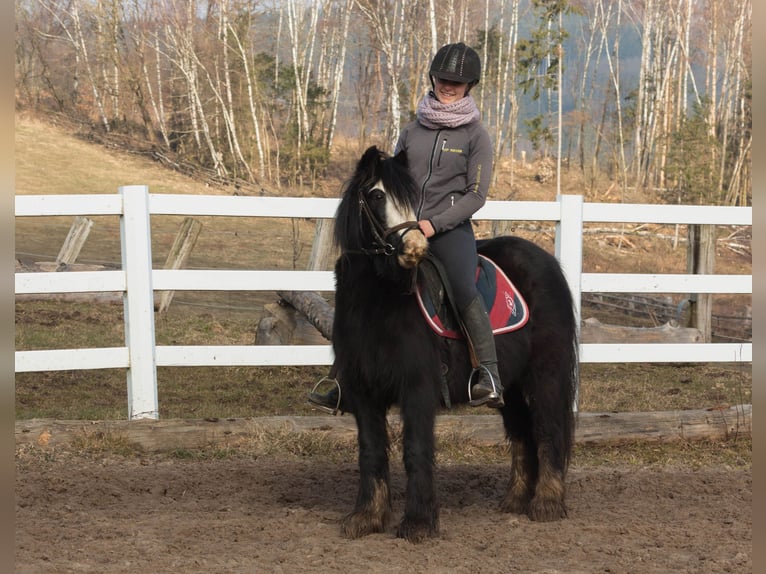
(452,166)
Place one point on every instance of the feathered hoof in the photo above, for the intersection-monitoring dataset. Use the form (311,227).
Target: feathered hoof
(358,524)
(515,504)
(541,510)
(416,531)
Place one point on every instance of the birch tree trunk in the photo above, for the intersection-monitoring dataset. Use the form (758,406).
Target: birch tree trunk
(432,27)
(340,66)
(251,101)
(186,61)
(513,101)
(300,93)
(228,103)
(159,108)
(739,112)
(81,47)
(387,21)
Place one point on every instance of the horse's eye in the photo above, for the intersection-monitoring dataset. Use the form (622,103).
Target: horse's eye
(377,194)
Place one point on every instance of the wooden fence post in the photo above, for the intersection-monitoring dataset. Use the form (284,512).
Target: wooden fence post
(701,261)
(179,254)
(323,251)
(136,243)
(74,241)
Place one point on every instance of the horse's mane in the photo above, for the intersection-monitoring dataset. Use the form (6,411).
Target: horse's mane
(375,165)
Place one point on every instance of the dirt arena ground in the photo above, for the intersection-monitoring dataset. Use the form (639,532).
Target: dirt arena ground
(270,514)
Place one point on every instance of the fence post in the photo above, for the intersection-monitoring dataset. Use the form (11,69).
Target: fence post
(135,239)
(179,254)
(701,260)
(569,246)
(569,236)
(74,241)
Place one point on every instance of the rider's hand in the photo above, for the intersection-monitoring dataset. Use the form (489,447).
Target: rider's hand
(426,228)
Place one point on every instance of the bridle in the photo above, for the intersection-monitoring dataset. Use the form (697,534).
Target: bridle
(381,243)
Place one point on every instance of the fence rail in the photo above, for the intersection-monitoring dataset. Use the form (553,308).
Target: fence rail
(137,280)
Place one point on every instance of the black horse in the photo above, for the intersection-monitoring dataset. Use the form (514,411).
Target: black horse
(386,354)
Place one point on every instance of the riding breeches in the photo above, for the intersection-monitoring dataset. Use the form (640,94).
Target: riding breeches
(456,250)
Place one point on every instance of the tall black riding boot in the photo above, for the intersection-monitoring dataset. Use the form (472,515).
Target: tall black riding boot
(327,402)
(487,390)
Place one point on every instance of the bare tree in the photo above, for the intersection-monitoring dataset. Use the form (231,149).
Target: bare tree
(339,69)
(252,105)
(70,22)
(180,50)
(388,20)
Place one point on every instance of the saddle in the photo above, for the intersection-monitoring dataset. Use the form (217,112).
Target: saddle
(507,309)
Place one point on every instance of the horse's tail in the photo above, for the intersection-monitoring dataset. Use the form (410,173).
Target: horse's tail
(572,389)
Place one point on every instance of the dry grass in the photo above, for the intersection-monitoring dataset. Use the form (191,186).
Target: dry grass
(452,448)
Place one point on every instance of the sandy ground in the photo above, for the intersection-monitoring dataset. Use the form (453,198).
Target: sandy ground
(250,515)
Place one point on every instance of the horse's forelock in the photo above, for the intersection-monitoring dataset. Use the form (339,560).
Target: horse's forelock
(398,181)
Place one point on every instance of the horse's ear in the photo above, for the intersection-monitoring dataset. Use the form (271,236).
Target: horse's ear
(401,158)
(370,156)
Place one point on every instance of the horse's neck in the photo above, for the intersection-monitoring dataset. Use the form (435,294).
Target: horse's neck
(381,279)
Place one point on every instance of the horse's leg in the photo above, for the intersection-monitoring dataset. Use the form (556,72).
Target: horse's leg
(421,512)
(521,485)
(548,503)
(373,502)
(548,426)
(518,428)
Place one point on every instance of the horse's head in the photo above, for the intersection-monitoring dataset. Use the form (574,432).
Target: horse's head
(376,214)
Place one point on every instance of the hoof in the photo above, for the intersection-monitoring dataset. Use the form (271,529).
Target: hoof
(416,531)
(547,510)
(515,504)
(358,524)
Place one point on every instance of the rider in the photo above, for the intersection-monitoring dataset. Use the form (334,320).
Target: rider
(449,154)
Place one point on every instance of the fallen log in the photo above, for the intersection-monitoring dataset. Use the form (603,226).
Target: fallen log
(594,331)
(314,307)
(302,317)
(174,434)
(284,325)
(319,313)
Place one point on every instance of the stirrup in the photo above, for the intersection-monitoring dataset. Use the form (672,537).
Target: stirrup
(320,406)
(494,398)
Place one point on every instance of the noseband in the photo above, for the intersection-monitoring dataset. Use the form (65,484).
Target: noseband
(381,245)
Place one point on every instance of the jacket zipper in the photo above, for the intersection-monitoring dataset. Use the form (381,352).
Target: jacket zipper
(428,177)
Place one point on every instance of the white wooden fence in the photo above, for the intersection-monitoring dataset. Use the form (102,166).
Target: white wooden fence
(138,281)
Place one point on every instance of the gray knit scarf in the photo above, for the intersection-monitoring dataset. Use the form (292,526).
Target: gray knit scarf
(435,115)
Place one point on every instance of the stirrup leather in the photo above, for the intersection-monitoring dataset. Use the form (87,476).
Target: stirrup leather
(325,408)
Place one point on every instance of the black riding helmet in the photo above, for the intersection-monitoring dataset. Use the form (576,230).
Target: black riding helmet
(457,63)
